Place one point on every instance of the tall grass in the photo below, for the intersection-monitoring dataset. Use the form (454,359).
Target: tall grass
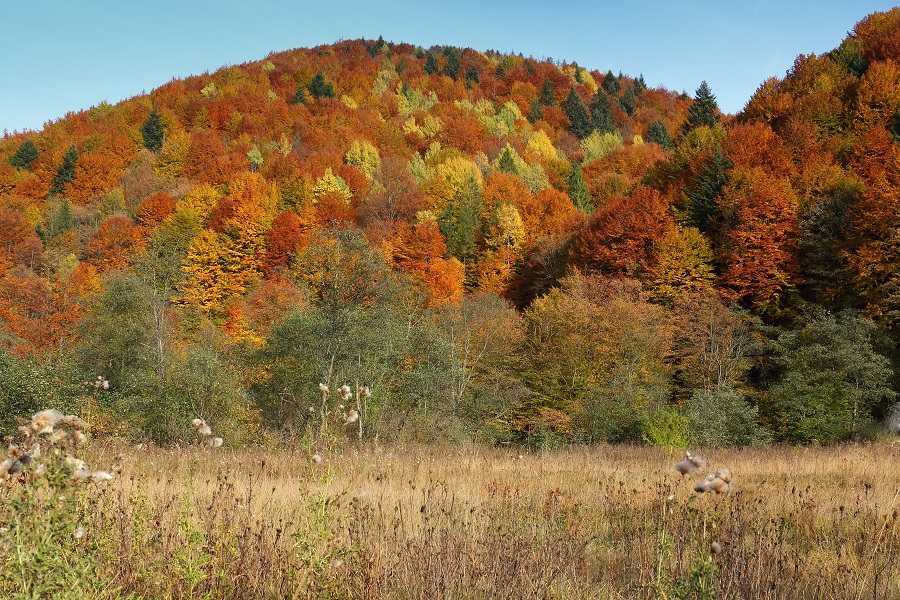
(453,522)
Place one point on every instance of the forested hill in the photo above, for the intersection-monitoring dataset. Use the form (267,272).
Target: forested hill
(499,246)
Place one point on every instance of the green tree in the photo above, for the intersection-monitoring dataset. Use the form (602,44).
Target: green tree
(66,171)
(832,378)
(611,84)
(431,65)
(24,155)
(658,133)
(472,76)
(721,417)
(300,96)
(507,161)
(627,101)
(578,189)
(581,125)
(320,88)
(153,131)
(452,66)
(601,113)
(702,207)
(547,97)
(461,221)
(62,219)
(703,112)
(536,111)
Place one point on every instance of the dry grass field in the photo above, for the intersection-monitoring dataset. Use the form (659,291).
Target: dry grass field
(454,522)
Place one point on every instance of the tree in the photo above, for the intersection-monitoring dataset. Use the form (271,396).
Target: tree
(832,378)
(703,111)
(431,65)
(452,66)
(658,133)
(702,209)
(578,189)
(601,113)
(721,417)
(320,88)
(547,97)
(581,125)
(24,155)
(153,132)
(627,101)
(66,171)
(611,84)
(300,96)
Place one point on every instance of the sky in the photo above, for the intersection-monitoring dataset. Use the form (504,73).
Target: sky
(62,56)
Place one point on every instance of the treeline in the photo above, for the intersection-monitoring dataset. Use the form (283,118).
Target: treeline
(499,248)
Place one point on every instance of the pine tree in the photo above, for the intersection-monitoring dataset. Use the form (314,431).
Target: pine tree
(702,209)
(452,66)
(154,132)
(507,162)
(500,71)
(320,88)
(639,84)
(472,77)
(627,101)
(601,113)
(62,219)
(547,98)
(703,110)
(26,154)
(536,111)
(299,96)
(581,125)
(659,134)
(431,65)
(578,189)
(611,84)
(66,171)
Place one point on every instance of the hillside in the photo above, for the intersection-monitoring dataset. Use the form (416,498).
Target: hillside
(498,246)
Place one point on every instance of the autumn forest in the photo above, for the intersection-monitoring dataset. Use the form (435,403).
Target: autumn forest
(484,246)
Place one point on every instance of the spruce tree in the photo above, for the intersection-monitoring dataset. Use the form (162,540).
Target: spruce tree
(431,65)
(536,111)
(627,101)
(581,125)
(472,77)
(601,113)
(66,171)
(639,84)
(299,96)
(500,71)
(659,134)
(154,132)
(702,209)
(453,66)
(507,162)
(26,154)
(320,88)
(611,84)
(578,189)
(547,98)
(703,110)
(62,219)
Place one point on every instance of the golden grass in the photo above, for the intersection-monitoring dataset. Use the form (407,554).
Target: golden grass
(458,522)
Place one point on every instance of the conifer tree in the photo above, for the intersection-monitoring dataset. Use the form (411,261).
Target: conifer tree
(659,134)
(452,66)
(578,189)
(472,77)
(581,125)
(507,162)
(62,219)
(299,96)
(627,101)
(320,88)
(611,84)
(66,171)
(536,112)
(26,154)
(431,65)
(547,98)
(601,113)
(153,131)
(703,110)
(702,209)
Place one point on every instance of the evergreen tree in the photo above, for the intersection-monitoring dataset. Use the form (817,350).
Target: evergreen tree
(601,113)
(500,71)
(452,67)
(703,110)
(472,77)
(536,111)
(62,219)
(578,189)
(581,125)
(66,171)
(319,88)
(579,78)
(26,154)
(639,84)
(547,98)
(507,162)
(702,209)
(659,134)
(611,84)
(627,101)
(153,131)
(431,65)
(299,96)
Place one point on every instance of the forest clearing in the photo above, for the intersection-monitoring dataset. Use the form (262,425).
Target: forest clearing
(409,521)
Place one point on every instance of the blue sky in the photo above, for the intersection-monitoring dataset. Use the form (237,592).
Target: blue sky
(67,56)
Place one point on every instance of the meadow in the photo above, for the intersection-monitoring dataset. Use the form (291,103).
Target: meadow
(456,522)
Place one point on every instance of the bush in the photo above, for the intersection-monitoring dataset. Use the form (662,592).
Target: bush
(721,417)
(666,429)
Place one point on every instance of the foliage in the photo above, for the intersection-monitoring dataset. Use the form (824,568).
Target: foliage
(153,131)
(25,154)
(721,417)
